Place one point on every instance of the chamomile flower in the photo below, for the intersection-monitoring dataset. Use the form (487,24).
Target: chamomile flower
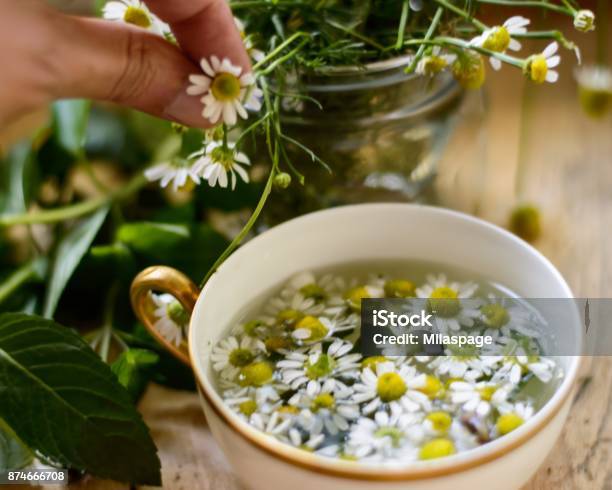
(499,38)
(230,355)
(313,365)
(177,171)
(313,329)
(325,406)
(447,300)
(251,402)
(513,416)
(227,91)
(385,437)
(584,20)
(219,161)
(171,317)
(386,384)
(305,440)
(470,368)
(538,66)
(136,13)
(515,367)
(477,397)
(504,316)
(434,62)
(277,424)
(255,54)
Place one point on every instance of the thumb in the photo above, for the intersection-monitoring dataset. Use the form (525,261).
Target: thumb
(126,65)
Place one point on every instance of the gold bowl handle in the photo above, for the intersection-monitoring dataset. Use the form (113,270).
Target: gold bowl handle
(164,279)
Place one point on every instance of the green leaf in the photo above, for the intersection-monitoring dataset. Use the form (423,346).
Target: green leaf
(15,171)
(133,369)
(68,254)
(192,249)
(70,119)
(14,454)
(62,400)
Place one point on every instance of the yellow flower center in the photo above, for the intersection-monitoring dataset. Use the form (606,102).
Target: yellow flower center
(317,330)
(486,392)
(444,302)
(313,291)
(525,222)
(323,366)
(469,71)
(241,357)
(495,315)
(390,387)
(538,68)
(432,65)
(289,409)
(225,87)
(437,448)
(371,362)
(399,288)
(177,313)
(289,317)
(355,295)
(498,40)
(275,344)
(256,374)
(393,433)
(324,400)
(440,421)
(508,422)
(248,407)
(433,386)
(137,16)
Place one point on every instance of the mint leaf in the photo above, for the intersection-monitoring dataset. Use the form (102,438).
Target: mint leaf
(62,400)
(69,252)
(70,119)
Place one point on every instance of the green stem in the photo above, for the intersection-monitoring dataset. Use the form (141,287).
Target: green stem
(272,66)
(462,13)
(356,35)
(18,278)
(529,3)
(245,229)
(107,327)
(74,210)
(511,60)
(428,35)
(402,25)
(279,49)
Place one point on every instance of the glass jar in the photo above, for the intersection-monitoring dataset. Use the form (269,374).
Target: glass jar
(380,130)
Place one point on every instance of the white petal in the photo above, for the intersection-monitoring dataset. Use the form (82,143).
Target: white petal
(552,76)
(550,49)
(553,61)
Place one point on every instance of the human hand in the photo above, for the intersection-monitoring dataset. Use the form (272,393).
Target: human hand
(46,55)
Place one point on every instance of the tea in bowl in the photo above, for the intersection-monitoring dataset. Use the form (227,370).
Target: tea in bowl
(290,399)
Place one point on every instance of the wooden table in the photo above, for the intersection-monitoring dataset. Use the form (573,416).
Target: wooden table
(567,171)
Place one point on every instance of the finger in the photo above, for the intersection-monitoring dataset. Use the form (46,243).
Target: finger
(127,65)
(203,28)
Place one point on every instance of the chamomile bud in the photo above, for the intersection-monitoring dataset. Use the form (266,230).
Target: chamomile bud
(584,20)
(525,222)
(282,180)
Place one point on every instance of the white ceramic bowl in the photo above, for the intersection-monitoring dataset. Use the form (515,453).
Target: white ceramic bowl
(362,233)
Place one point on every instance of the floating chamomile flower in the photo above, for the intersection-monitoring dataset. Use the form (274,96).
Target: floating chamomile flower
(499,38)
(312,365)
(386,384)
(227,91)
(313,329)
(220,160)
(277,424)
(171,317)
(448,302)
(470,368)
(305,440)
(433,63)
(515,367)
(512,417)
(136,13)
(385,437)
(538,66)
(477,397)
(177,171)
(251,402)
(325,406)
(230,355)
(503,316)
